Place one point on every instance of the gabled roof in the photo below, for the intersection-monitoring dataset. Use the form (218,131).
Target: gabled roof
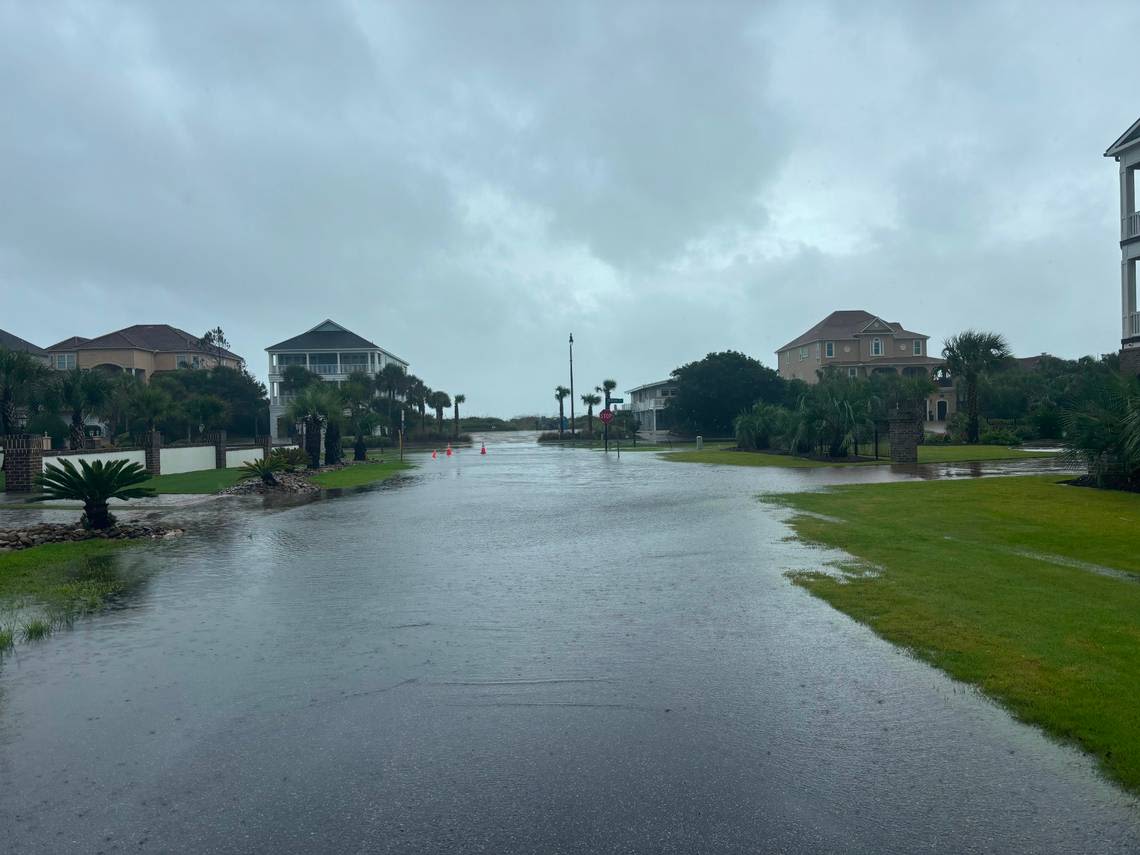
(847,324)
(1126,140)
(157,338)
(329,335)
(69,343)
(14,342)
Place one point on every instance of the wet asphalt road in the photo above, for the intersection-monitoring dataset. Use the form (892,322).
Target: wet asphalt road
(538,651)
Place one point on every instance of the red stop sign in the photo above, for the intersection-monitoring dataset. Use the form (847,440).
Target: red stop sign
(606,416)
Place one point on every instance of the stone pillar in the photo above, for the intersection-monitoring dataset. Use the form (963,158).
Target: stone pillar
(903,429)
(1130,361)
(218,437)
(152,447)
(23,462)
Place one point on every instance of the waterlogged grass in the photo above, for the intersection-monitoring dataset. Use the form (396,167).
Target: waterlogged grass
(1021,586)
(204,481)
(37,629)
(360,474)
(926,454)
(7,638)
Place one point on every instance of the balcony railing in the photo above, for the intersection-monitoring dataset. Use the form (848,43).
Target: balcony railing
(1130,226)
(343,368)
(1132,325)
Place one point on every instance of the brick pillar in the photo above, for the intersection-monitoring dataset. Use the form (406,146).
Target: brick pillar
(266,447)
(904,433)
(23,462)
(1130,361)
(218,437)
(153,448)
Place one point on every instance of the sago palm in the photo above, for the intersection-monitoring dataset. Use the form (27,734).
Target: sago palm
(94,484)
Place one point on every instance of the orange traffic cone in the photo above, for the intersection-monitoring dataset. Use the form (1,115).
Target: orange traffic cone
(483,450)
(449,449)
(434,455)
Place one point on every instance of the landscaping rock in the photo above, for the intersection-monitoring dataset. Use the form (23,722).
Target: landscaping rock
(287,482)
(41,533)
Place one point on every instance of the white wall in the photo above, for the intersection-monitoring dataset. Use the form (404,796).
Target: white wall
(138,456)
(189,459)
(237,456)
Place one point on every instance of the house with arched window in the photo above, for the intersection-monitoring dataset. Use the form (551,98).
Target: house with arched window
(859,344)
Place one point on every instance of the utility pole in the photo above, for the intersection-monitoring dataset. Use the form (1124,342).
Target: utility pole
(572,385)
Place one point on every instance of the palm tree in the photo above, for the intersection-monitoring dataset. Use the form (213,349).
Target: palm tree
(970,355)
(21,378)
(590,400)
(149,404)
(357,393)
(94,484)
(392,381)
(311,408)
(560,395)
(81,393)
(439,402)
(606,388)
(456,401)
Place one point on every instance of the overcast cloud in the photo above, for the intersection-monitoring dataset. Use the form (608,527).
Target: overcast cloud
(467,183)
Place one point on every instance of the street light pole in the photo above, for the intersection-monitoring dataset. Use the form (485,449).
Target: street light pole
(572,385)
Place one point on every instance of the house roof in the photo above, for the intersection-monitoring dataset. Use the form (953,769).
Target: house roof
(14,342)
(158,338)
(651,385)
(329,335)
(1126,140)
(69,343)
(849,323)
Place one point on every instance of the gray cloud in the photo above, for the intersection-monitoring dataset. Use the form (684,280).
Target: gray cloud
(467,183)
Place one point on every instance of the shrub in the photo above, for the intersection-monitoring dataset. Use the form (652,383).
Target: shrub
(265,469)
(94,484)
(289,458)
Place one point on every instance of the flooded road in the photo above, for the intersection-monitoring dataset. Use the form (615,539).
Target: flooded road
(542,651)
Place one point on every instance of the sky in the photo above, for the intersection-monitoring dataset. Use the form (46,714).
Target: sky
(466,184)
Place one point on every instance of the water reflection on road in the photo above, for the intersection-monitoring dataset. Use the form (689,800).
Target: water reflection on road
(541,650)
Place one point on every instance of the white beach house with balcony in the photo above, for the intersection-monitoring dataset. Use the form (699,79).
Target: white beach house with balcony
(1126,151)
(648,403)
(328,350)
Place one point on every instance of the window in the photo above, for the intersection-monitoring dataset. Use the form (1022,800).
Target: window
(829,349)
(803,354)
(852,372)
(918,347)
(876,347)
(63,361)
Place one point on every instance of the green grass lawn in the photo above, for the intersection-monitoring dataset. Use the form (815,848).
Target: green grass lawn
(728,457)
(203,481)
(724,454)
(1000,582)
(360,474)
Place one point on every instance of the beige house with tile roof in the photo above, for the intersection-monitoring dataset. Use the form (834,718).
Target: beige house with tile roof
(859,344)
(140,350)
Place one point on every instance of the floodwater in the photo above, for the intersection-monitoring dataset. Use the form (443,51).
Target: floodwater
(541,651)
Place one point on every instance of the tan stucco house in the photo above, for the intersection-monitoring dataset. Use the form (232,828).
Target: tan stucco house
(860,344)
(141,350)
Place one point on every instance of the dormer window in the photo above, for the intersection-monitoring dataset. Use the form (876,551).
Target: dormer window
(918,347)
(876,347)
